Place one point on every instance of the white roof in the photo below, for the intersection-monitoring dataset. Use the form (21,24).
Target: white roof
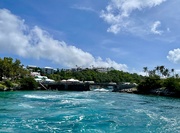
(48,67)
(37,79)
(32,66)
(73,80)
(49,80)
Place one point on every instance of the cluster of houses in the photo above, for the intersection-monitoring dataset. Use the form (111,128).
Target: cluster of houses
(99,69)
(36,73)
(50,70)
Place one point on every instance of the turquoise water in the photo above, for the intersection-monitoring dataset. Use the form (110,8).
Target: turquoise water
(87,112)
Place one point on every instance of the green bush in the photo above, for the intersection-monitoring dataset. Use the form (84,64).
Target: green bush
(172,84)
(149,84)
(8,84)
(2,87)
(28,84)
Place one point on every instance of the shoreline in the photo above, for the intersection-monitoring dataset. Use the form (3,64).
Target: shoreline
(156,92)
(86,87)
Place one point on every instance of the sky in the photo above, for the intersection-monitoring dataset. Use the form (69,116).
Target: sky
(125,34)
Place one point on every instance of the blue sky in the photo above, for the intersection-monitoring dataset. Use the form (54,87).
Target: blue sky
(125,34)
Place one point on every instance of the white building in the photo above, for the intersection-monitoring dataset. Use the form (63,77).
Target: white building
(31,67)
(104,69)
(34,74)
(48,70)
(43,79)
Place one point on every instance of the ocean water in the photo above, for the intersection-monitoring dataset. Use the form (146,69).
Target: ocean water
(87,112)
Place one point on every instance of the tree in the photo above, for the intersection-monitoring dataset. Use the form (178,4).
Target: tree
(149,84)
(166,72)
(7,67)
(177,75)
(145,70)
(158,70)
(172,70)
(11,70)
(171,84)
(28,83)
(16,68)
(161,68)
(1,69)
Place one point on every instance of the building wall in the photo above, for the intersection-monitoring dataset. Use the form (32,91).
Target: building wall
(48,70)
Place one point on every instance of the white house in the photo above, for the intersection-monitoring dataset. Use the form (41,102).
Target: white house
(48,70)
(31,67)
(34,74)
(43,79)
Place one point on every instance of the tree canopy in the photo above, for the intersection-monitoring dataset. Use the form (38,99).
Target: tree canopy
(160,77)
(98,77)
(11,69)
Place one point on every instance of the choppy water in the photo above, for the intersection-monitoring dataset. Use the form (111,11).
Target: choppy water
(87,112)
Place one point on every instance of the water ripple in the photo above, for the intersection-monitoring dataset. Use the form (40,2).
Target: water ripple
(87,112)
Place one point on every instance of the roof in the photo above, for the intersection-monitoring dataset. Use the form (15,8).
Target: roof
(48,67)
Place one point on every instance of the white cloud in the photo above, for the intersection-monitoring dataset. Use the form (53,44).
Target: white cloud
(108,63)
(154,27)
(174,55)
(17,38)
(118,12)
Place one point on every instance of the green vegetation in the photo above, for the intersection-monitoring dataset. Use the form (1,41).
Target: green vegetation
(11,72)
(8,84)
(2,87)
(98,77)
(160,77)
(13,75)
(149,83)
(28,84)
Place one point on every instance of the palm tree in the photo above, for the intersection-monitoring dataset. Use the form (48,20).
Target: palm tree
(157,69)
(145,70)
(161,68)
(166,72)
(172,70)
(177,75)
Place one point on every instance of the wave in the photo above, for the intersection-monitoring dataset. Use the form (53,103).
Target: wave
(42,97)
(25,105)
(102,90)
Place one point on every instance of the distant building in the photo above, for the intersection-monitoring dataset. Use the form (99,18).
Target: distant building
(103,69)
(43,79)
(72,80)
(31,67)
(77,69)
(91,82)
(34,74)
(99,69)
(48,70)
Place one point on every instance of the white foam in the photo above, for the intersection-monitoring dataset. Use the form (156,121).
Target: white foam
(102,90)
(150,114)
(42,97)
(65,101)
(76,101)
(6,130)
(25,105)
(80,118)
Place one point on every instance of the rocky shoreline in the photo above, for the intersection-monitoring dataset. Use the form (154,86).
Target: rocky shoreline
(133,90)
(157,92)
